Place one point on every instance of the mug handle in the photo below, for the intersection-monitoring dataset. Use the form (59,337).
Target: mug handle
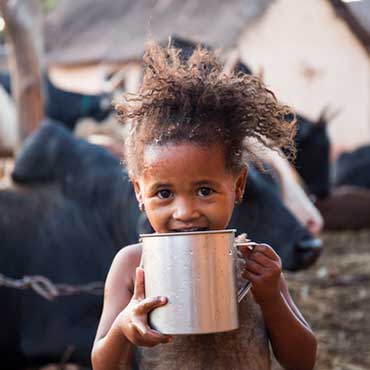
(243,291)
(141,264)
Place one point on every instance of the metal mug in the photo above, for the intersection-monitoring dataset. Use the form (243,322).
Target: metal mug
(196,271)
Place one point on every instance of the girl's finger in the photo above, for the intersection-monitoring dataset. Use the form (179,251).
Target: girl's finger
(250,276)
(262,259)
(137,337)
(267,251)
(148,304)
(155,337)
(141,328)
(150,336)
(139,288)
(254,267)
(246,246)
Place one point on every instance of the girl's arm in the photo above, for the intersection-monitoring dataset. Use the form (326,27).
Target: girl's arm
(124,318)
(292,340)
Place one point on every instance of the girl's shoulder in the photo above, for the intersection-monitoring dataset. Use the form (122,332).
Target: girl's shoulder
(124,265)
(130,254)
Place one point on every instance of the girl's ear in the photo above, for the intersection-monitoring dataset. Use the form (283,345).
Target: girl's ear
(138,191)
(241,181)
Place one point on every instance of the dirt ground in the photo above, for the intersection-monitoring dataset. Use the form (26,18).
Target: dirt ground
(334,296)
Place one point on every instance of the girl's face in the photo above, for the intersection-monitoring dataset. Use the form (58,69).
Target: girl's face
(186,187)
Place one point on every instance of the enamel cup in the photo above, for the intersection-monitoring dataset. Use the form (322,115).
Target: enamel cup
(196,271)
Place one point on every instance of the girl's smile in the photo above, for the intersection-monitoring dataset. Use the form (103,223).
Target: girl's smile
(187,187)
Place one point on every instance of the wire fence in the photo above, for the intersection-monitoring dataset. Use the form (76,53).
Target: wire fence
(49,290)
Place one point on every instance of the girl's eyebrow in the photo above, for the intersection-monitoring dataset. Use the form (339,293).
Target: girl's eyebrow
(158,185)
(204,182)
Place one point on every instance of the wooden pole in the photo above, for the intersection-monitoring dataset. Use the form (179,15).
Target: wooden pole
(23,25)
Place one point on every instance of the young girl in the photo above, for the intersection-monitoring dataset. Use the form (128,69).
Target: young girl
(187,155)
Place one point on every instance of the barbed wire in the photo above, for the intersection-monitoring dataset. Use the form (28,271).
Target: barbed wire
(49,290)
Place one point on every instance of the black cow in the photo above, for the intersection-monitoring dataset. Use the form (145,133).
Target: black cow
(266,220)
(313,150)
(353,168)
(71,210)
(313,155)
(68,107)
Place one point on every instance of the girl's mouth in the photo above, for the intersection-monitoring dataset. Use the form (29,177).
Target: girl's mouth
(189,229)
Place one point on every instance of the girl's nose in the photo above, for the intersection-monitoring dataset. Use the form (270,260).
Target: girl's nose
(185,211)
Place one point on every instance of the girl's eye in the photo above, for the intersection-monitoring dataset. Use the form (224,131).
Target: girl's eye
(204,191)
(164,194)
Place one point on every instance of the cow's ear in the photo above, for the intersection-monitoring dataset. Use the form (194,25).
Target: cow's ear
(138,191)
(240,184)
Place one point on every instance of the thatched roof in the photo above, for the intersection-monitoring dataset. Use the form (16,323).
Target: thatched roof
(90,31)
(93,31)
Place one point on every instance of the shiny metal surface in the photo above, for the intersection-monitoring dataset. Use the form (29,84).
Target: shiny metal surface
(196,271)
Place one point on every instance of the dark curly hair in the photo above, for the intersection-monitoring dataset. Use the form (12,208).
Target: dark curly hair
(194,101)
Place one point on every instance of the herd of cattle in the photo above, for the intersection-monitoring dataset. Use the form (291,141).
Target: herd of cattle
(72,207)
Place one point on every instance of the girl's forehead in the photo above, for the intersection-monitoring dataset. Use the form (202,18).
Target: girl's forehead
(183,157)
(186,150)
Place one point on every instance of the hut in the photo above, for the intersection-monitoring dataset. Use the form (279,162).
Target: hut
(313,54)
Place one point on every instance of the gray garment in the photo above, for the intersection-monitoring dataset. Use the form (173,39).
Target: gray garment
(246,348)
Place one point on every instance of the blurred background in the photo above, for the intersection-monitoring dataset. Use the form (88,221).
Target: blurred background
(62,62)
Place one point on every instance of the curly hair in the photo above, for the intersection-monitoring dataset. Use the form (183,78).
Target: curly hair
(194,101)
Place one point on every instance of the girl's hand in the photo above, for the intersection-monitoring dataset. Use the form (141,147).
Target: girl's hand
(263,269)
(134,318)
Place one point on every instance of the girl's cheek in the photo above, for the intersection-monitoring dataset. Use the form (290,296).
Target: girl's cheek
(157,215)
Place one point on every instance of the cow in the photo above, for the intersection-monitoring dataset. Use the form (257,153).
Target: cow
(348,206)
(313,155)
(68,107)
(70,210)
(353,168)
(293,195)
(266,219)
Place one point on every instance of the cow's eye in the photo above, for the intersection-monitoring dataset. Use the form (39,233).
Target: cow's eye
(204,191)
(164,194)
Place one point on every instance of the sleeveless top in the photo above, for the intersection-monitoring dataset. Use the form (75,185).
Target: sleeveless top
(246,348)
